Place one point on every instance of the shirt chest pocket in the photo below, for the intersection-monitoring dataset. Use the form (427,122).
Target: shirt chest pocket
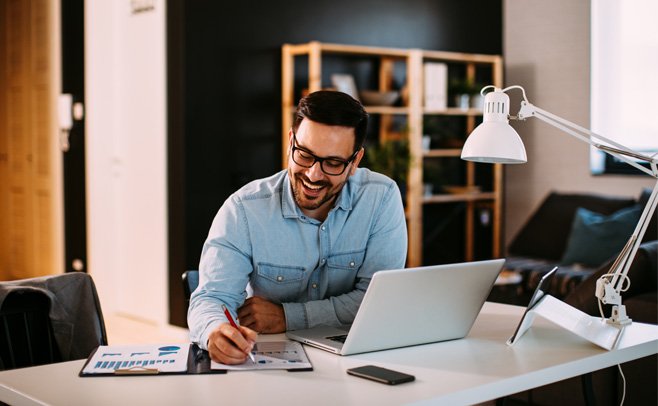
(277,282)
(342,269)
(350,261)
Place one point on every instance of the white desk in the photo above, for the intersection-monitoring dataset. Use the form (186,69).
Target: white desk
(478,368)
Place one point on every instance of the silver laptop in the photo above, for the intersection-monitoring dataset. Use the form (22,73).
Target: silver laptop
(411,306)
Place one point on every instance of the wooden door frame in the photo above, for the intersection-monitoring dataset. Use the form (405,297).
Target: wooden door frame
(30,161)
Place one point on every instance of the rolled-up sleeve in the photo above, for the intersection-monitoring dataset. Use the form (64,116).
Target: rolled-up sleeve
(224,272)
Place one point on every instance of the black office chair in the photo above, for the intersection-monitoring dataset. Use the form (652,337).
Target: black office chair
(26,334)
(49,319)
(190,282)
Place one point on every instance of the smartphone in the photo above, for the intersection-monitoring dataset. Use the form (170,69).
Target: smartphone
(379,374)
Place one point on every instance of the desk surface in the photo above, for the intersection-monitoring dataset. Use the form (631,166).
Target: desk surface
(478,368)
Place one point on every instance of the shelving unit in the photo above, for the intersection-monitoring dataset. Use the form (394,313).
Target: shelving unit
(469,66)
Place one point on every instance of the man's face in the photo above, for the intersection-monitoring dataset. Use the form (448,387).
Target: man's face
(314,190)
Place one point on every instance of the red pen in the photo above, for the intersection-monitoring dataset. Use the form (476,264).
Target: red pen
(235,326)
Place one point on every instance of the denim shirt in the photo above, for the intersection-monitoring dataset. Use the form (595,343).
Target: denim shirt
(319,271)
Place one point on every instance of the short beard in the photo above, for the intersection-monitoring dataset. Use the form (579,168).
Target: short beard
(311,204)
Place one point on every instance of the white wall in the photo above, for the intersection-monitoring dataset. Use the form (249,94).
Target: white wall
(125,83)
(547,51)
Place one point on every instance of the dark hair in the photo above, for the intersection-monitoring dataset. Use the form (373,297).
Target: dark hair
(333,108)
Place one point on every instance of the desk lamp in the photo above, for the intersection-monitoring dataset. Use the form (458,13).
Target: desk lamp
(495,141)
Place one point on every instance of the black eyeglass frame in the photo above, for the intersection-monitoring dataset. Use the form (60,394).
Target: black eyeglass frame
(318,159)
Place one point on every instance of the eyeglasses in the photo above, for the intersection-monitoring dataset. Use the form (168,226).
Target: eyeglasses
(330,166)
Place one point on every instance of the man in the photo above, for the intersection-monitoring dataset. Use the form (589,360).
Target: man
(306,240)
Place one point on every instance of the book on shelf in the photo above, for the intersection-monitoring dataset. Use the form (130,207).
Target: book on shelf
(435,85)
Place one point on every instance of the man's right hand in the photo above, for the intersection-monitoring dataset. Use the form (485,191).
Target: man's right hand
(229,345)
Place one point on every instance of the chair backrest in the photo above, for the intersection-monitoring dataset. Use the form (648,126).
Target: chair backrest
(190,283)
(26,333)
(49,319)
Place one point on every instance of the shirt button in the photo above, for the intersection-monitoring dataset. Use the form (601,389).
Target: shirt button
(279,278)
(352,264)
(314,286)
(323,228)
(322,261)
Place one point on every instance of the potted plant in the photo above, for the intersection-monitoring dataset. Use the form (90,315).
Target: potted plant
(465,92)
(391,158)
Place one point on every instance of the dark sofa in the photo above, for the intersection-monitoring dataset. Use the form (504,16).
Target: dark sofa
(541,243)
(641,301)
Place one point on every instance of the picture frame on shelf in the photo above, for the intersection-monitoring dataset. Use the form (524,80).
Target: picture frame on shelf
(345,83)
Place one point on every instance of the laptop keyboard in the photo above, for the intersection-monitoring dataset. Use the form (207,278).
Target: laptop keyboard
(340,338)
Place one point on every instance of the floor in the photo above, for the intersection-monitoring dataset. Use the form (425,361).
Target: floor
(124,329)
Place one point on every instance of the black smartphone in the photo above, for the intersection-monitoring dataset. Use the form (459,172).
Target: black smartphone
(380,374)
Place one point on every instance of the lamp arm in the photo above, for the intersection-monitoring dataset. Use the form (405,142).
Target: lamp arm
(620,151)
(622,264)
(611,285)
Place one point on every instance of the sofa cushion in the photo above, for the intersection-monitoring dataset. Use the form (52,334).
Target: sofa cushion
(531,270)
(643,308)
(595,238)
(545,234)
(642,274)
(652,230)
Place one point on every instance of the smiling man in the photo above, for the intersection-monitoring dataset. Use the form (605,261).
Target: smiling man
(304,242)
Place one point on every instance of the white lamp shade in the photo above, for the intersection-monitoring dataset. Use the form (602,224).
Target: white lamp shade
(495,141)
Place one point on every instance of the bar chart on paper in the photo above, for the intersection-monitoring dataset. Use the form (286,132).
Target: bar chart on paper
(161,358)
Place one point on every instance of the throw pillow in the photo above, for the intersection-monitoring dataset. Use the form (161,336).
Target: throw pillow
(595,237)
(652,231)
(544,234)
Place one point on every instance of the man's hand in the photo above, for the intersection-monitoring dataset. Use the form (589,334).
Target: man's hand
(262,315)
(230,346)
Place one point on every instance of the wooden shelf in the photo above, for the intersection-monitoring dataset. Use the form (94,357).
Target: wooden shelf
(443,153)
(386,110)
(415,112)
(466,197)
(401,53)
(453,111)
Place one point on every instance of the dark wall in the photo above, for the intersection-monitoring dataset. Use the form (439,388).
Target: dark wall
(230,81)
(73,82)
